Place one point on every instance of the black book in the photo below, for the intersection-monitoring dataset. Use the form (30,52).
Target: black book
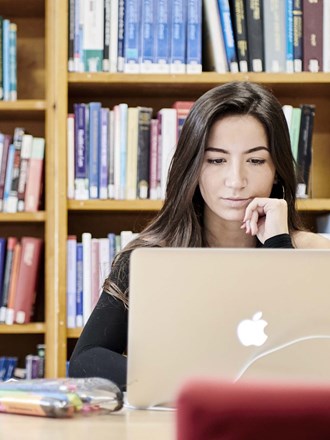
(255,35)
(237,11)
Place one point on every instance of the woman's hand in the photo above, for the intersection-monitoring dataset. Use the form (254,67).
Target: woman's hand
(266,218)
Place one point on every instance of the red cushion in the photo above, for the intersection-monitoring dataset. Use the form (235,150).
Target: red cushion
(211,410)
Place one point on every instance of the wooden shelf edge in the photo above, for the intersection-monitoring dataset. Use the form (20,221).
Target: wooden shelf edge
(39,216)
(114,205)
(73,332)
(310,205)
(35,328)
(205,77)
(23,105)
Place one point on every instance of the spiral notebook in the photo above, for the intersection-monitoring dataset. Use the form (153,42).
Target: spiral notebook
(234,314)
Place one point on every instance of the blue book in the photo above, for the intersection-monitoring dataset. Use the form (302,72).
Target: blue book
(81,153)
(289,35)
(5,60)
(3,367)
(228,35)
(11,365)
(297,13)
(178,36)
(121,35)
(9,175)
(3,248)
(132,36)
(112,247)
(79,286)
(104,152)
(12,62)
(71,279)
(162,36)
(194,36)
(123,109)
(94,142)
(148,36)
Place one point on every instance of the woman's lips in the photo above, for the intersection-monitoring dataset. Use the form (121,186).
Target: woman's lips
(236,202)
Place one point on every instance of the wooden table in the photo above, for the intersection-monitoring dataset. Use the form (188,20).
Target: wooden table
(125,424)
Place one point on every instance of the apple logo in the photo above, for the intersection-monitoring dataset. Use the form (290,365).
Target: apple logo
(251,331)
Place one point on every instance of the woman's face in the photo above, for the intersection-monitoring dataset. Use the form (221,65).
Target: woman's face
(237,167)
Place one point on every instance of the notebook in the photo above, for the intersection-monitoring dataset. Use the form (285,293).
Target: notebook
(232,314)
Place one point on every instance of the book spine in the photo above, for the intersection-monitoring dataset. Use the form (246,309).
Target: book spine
(240,30)
(87,276)
(143,158)
(153,159)
(77,41)
(104,266)
(132,36)
(148,37)
(11,243)
(305,148)
(326,35)
(178,36)
(9,174)
(3,247)
(106,36)
(1,58)
(274,35)
(93,36)
(24,170)
(71,33)
(71,287)
(13,192)
(162,36)
(27,279)
(70,155)
(5,60)
(294,131)
(182,109)
(111,163)
(104,151)
(123,109)
(79,286)
(4,162)
(168,143)
(194,36)
(13,284)
(289,35)
(94,142)
(132,152)
(297,18)
(228,35)
(313,35)
(121,36)
(255,35)
(113,49)
(34,182)
(112,247)
(95,279)
(117,153)
(81,153)
(12,62)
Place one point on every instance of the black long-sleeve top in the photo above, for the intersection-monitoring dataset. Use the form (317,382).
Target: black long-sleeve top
(99,350)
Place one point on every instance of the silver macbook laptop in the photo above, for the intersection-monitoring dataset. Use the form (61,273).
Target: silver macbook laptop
(235,314)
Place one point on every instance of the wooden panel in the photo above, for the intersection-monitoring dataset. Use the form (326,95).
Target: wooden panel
(115,205)
(34,328)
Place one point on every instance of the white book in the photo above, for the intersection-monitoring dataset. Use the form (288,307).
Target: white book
(326,35)
(167,143)
(104,261)
(70,155)
(93,35)
(113,48)
(116,152)
(71,269)
(87,275)
(287,110)
(132,153)
(215,46)
(125,238)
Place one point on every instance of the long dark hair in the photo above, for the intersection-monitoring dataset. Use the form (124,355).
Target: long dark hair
(180,221)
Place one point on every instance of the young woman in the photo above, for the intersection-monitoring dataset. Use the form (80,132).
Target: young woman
(231,184)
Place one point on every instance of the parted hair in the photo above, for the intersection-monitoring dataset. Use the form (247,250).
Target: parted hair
(180,221)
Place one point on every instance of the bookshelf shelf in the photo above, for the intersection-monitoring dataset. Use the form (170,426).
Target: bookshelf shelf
(33,328)
(23,105)
(33,217)
(74,332)
(313,205)
(114,205)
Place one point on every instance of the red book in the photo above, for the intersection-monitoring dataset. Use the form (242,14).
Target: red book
(34,181)
(27,279)
(182,109)
(13,283)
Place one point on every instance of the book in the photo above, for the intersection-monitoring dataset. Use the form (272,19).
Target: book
(95,270)
(274,35)
(255,35)
(132,45)
(24,170)
(123,109)
(111,156)
(1,58)
(12,200)
(92,35)
(5,59)
(148,36)
(81,152)
(162,36)
(13,62)
(12,289)
(71,287)
(106,36)
(214,54)
(34,182)
(143,152)
(295,130)
(113,48)
(121,36)
(289,35)
(103,153)
(4,161)
(11,243)
(182,109)
(71,23)
(178,36)
(194,36)
(80,286)
(154,123)
(87,275)
(240,32)
(326,35)
(167,144)
(27,279)
(104,260)
(132,152)
(297,19)
(70,155)
(305,149)
(94,148)
(228,35)
(3,247)
(313,35)
(8,177)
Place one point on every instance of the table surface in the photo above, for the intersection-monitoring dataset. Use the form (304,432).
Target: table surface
(125,424)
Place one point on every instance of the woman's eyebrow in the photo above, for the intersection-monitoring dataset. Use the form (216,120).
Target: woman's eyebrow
(251,150)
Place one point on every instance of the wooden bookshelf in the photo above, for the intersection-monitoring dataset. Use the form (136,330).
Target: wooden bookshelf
(34,328)
(23,217)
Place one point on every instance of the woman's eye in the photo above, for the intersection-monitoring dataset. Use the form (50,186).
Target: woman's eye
(257,161)
(216,161)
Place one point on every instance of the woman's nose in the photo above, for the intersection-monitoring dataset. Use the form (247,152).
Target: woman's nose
(236,177)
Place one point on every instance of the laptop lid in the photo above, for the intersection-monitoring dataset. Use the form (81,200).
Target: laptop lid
(233,314)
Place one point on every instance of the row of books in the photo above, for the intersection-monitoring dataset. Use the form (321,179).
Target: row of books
(21,171)
(34,366)
(19,267)
(133,36)
(121,153)
(8,60)
(88,265)
(271,36)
